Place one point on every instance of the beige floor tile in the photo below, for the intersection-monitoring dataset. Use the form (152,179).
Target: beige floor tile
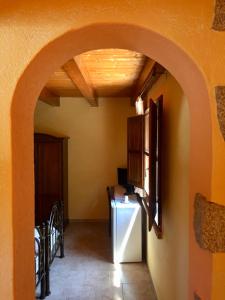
(138,291)
(110,293)
(130,276)
(80,292)
(87,271)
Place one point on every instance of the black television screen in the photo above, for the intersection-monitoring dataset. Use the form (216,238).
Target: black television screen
(122,180)
(122,176)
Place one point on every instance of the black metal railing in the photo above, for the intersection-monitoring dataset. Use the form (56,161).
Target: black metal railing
(49,240)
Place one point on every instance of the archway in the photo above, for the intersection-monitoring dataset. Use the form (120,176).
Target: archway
(72,43)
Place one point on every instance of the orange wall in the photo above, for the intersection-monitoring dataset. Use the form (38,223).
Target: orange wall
(39,36)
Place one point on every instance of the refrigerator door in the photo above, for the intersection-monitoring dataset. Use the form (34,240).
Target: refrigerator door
(113,228)
(127,232)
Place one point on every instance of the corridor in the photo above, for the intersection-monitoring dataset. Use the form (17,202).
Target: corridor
(86,272)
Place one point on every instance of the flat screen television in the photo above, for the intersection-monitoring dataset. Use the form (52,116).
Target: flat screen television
(122,180)
(122,176)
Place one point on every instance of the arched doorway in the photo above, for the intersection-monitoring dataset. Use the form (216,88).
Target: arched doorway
(25,96)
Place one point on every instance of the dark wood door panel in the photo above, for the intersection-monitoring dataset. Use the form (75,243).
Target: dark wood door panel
(50,169)
(135,133)
(135,148)
(135,168)
(51,175)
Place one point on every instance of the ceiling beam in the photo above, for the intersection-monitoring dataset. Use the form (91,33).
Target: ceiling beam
(49,97)
(78,75)
(148,77)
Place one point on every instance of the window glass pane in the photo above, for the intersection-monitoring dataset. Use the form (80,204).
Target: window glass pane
(147,132)
(146,174)
(157,214)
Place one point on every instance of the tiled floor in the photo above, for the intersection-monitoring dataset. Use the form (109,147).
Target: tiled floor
(86,272)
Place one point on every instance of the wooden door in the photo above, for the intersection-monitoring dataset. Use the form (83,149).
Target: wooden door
(135,147)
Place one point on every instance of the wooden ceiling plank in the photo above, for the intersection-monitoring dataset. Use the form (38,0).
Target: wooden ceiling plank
(77,76)
(105,71)
(145,72)
(109,68)
(49,97)
(148,76)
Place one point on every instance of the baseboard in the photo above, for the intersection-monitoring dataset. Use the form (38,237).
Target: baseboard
(88,220)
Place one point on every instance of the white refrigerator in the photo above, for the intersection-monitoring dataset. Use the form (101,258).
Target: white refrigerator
(126,230)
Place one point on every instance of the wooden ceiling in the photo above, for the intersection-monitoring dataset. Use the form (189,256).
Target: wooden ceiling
(98,73)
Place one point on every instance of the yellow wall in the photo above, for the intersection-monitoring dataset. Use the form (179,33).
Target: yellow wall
(97,146)
(168,257)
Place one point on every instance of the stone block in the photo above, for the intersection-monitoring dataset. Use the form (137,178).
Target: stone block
(209,224)
(220,100)
(219,17)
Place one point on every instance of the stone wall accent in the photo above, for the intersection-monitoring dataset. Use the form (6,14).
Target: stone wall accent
(220,100)
(209,224)
(219,18)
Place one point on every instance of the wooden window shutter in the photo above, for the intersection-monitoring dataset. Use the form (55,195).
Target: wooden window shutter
(135,148)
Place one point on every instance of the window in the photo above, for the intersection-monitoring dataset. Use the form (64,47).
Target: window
(152,164)
(144,160)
